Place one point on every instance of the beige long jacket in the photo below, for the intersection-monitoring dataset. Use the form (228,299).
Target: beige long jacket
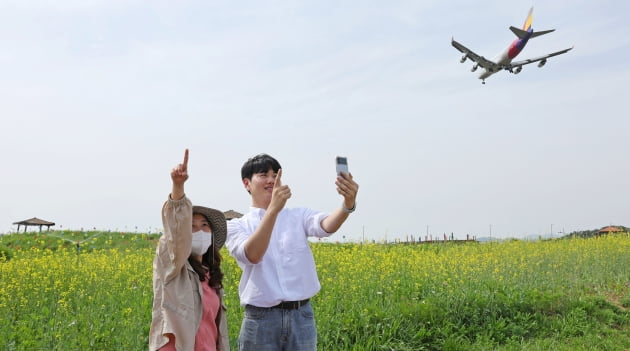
(177,291)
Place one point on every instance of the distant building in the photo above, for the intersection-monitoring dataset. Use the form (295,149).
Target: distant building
(34,222)
(609,230)
(231,214)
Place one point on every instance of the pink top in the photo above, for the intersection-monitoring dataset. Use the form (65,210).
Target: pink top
(207,334)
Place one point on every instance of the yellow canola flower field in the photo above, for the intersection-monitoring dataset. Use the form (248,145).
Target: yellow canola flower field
(404,296)
(53,298)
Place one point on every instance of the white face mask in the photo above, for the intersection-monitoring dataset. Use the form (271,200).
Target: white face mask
(201,241)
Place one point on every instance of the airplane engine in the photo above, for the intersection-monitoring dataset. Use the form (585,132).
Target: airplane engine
(542,63)
(518,70)
(463,59)
(474,67)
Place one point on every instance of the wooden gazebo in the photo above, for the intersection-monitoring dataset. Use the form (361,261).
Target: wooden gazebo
(231,214)
(609,229)
(34,222)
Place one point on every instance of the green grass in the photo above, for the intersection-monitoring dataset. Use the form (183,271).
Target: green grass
(547,295)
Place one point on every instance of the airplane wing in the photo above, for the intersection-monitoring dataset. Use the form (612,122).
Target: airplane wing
(541,59)
(480,60)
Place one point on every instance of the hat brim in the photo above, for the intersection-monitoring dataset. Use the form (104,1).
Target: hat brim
(217,223)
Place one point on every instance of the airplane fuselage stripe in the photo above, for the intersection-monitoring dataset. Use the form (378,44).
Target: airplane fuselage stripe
(517,45)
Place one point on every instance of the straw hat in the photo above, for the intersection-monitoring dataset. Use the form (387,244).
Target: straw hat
(217,223)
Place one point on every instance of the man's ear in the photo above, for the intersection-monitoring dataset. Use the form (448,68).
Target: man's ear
(246,182)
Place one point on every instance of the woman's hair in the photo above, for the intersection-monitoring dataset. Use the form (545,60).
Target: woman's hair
(211,260)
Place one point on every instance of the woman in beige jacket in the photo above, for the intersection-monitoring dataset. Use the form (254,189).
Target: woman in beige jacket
(188,310)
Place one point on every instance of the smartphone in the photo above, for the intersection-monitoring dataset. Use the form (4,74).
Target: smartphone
(342,165)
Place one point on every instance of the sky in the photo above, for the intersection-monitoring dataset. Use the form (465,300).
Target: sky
(99,100)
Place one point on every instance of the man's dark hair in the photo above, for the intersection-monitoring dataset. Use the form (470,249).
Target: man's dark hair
(259,164)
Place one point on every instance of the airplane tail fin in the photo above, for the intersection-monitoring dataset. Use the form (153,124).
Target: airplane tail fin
(521,33)
(518,32)
(536,34)
(529,19)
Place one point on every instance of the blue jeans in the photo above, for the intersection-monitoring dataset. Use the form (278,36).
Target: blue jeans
(274,329)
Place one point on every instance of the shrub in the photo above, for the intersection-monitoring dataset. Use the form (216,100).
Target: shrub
(5,253)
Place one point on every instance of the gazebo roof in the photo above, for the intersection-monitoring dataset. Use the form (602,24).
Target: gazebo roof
(610,229)
(231,214)
(34,221)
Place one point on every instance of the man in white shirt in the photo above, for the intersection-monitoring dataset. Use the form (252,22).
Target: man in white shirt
(271,247)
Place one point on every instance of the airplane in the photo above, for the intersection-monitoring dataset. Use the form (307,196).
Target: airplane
(504,60)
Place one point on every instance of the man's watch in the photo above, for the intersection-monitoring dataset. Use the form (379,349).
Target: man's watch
(348,210)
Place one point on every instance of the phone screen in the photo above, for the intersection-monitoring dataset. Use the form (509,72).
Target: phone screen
(342,164)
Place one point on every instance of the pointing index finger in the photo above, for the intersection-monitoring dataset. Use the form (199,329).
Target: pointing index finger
(278,182)
(185,163)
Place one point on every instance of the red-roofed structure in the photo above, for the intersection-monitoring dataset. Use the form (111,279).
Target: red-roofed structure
(609,229)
